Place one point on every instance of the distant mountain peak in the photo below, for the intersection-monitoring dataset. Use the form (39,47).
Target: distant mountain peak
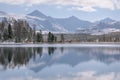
(73,17)
(107,20)
(3,13)
(37,13)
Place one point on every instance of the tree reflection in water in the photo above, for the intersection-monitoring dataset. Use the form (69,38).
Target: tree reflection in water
(51,50)
(21,56)
(12,57)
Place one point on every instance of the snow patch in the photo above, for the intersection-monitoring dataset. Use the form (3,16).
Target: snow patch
(57,27)
(105,31)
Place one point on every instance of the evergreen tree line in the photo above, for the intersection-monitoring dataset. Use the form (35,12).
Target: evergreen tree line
(20,31)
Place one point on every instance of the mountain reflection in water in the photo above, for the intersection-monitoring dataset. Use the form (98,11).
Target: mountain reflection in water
(43,59)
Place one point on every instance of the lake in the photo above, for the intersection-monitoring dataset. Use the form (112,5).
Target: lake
(60,63)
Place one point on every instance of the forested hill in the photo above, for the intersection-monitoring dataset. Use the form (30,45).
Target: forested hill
(15,30)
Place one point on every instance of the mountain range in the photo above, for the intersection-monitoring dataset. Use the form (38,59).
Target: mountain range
(70,24)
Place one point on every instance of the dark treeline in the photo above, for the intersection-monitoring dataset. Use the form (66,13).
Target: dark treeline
(15,31)
(81,37)
(20,31)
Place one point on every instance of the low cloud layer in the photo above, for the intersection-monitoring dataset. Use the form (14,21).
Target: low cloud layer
(78,76)
(81,5)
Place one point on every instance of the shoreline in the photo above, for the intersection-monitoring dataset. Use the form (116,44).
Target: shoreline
(13,43)
(76,44)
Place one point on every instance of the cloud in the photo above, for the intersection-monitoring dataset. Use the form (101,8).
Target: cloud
(24,78)
(90,75)
(13,2)
(86,9)
(82,5)
(26,9)
(117,4)
(59,7)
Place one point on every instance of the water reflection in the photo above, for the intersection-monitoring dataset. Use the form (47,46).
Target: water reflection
(12,57)
(51,50)
(66,63)
(16,56)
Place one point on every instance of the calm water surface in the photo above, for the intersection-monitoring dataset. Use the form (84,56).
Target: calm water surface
(60,63)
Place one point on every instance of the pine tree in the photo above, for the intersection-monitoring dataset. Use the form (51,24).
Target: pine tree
(5,35)
(9,31)
(62,38)
(34,34)
(51,37)
(17,25)
(40,36)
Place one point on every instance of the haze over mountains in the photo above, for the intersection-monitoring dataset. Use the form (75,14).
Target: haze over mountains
(71,24)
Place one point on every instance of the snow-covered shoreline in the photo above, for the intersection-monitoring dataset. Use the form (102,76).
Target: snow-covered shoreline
(82,44)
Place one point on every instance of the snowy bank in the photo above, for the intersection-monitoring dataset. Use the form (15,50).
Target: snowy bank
(85,44)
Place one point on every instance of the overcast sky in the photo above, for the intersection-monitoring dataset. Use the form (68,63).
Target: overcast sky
(91,10)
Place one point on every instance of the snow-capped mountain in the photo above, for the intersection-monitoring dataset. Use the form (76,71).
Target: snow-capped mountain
(103,26)
(38,14)
(59,24)
(71,24)
(43,22)
(106,20)
(107,25)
